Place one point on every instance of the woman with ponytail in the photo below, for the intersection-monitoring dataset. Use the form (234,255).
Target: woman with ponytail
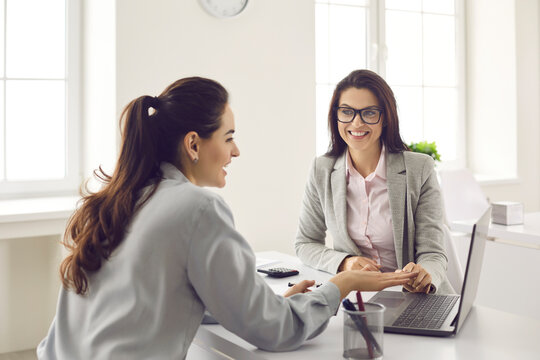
(151,250)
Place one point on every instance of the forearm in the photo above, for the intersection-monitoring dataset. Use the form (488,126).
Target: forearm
(345,283)
(318,255)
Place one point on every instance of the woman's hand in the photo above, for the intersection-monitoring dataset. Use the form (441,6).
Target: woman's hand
(301,287)
(421,283)
(359,280)
(358,263)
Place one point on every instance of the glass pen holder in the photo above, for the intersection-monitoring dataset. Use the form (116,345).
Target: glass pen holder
(363,332)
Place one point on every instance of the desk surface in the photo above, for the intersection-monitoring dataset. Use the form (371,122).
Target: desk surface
(486,334)
(527,233)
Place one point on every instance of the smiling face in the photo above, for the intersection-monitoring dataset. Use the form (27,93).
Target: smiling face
(216,153)
(360,137)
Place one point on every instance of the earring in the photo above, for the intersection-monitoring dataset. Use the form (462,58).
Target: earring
(196,160)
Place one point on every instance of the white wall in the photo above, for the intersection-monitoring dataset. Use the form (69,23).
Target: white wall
(265,58)
(29,284)
(100,127)
(491,87)
(503,97)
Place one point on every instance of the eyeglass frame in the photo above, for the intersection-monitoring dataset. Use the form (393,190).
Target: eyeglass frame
(359,112)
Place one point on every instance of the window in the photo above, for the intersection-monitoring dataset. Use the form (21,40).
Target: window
(39,96)
(416,45)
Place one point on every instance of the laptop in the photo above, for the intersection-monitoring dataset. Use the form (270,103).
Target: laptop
(437,315)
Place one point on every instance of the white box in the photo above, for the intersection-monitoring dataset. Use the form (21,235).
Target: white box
(507,213)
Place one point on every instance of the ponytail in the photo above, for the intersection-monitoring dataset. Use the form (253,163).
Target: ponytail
(106,214)
(98,226)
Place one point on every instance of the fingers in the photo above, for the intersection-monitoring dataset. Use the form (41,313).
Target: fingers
(422,280)
(304,285)
(369,280)
(368,261)
(421,283)
(418,280)
(355,266)
(400,274)
(371,267)
(408,288)
(359,263)
(353,263)
(409,267)
(301,287)
(403,276)
(396,279)
(425,284)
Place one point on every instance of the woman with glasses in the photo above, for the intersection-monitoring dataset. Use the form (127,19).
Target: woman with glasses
(153,249)
(380,202)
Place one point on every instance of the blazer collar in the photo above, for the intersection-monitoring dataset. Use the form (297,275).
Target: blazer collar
(340,162)
(396,180)
(395,164)
(339,193)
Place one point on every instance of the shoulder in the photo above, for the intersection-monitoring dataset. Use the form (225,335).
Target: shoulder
(181,199)
(416,161)
(322,168)
(207,200)
(417,166)
(326,163)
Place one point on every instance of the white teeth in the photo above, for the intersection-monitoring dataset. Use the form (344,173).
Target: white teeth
(359,133)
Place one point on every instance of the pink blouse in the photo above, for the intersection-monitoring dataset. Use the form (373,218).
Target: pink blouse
(369,220)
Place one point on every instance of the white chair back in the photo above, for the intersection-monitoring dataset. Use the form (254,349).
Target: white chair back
(454,272)
(463,196)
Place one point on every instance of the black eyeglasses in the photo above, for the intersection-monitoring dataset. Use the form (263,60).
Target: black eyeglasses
(370,115)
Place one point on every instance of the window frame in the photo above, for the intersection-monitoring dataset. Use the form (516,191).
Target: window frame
(376,52)
(71,181)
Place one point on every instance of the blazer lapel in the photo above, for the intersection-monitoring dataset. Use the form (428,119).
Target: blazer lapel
(397,191)
(339,193)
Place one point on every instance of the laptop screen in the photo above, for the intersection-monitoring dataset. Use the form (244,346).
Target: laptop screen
(474,266)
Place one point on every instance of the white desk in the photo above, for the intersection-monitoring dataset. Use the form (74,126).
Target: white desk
(526,234)
(487,334)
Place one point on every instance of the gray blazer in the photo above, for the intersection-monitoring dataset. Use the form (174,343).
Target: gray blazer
(181,255)
(417,215)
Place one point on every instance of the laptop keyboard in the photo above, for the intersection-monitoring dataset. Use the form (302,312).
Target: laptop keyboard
(427,312)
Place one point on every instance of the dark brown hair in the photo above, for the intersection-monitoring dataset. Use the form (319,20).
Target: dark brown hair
(366,79)
(97,227)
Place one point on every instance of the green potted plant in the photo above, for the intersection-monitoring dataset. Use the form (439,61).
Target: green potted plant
(426,148)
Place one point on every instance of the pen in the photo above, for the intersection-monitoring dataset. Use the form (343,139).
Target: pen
(360,301)
(361,307)
(362,327)
(291,284)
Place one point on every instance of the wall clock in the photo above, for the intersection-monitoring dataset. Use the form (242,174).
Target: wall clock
(223,8)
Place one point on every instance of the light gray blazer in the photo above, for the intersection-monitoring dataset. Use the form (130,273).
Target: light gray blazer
(417,215)
(181,255)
